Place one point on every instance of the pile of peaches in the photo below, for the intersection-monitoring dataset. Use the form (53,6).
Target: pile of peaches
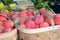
(6,25)
(31,19)
(28,19)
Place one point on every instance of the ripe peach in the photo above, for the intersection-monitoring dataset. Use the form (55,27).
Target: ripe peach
(11,13)
(39,19)
(50,13)
(23,13)
(15,15)
(22,21)
(2,18)
(57,21)
(42,10)
(37,26)
(30,17)
(30,13)
(3,14)
(8,23)
(30,24)
(57,16)
(44,24)
(47,20)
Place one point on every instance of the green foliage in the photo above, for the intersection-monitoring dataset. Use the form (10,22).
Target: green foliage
(41,3)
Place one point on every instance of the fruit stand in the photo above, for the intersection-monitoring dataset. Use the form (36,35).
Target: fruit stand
(28,20)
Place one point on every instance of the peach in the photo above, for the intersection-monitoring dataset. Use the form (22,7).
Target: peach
(23,13)
(50,13)
(3,14)
(8,23)
(44,24)
(47,20)
(57,21)
(42,10)
(37,26)
(2,18)
(30,13)
(39,19)
(22,21)
(15,15)
(57,16)
(30,24)
(30,17)
(11,13)
(8,30)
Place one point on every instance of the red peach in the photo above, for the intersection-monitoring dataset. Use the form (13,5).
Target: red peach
(22,21)
(44,24)
(30,13)
(30,24)
(50,13)
(57,21)
(3,14)
(2,18)
(47,20)
(57,16)
(23,13)
(42,10)
(11,13)
(8,23)
(37,26)
(15,15)
(30,17)
(39,19)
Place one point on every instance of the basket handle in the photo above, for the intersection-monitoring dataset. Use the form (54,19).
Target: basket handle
(50,18)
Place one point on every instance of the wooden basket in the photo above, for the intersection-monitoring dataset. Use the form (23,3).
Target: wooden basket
(48,33)
(9,36)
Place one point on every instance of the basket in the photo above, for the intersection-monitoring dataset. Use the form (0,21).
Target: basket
(9,36)
(48,33)
(12,35)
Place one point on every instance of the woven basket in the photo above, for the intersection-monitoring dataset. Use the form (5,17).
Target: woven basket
(9,36)
(48,33)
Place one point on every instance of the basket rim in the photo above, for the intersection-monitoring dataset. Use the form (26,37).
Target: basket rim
(38,30)
(8,34)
